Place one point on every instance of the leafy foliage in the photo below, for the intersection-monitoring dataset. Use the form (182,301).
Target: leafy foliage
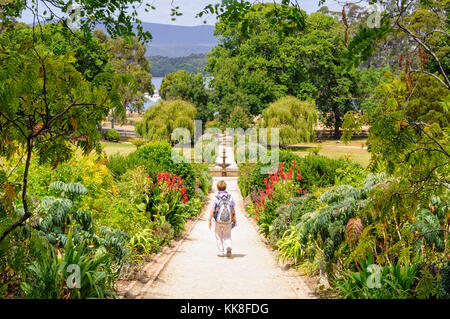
(294,118)
(51,276)
(129,59)
(389,282)
(112,135)
(161,120)
(59,214)
(252,70)
(317,171)
(189,87)
(114,15)
(289,216)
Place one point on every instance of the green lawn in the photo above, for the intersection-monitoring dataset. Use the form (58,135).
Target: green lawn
(339,150)
(122,148)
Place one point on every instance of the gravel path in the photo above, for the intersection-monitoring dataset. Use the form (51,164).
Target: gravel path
(196,272)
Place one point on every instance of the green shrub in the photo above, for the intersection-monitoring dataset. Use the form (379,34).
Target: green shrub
(444,283)
(150,239)
(168,198)
(203,178)
(321,171)
(138,142)
(62,212)
(388,282)
(112,135)
(268,212)
(120,207)
(47,279)
(290,215)
(157,157)
(119,164)
(89,170)
(317,172)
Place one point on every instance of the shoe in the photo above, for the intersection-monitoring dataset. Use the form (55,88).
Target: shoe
(221,255)
(229,252)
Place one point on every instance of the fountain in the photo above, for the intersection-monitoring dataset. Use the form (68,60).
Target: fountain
(223,164)
(222,168)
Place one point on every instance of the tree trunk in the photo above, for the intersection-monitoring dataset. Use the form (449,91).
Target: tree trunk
(336,130)
(337,123)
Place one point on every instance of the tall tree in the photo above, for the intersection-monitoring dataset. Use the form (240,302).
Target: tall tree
(295,119)
(120,17)
(256,70)
(47,105)
(129,58)
(161,120)
(189,87)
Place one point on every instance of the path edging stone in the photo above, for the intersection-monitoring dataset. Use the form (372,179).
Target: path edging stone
(162,259)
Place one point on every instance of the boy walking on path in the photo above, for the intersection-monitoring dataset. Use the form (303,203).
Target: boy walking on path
(224,214)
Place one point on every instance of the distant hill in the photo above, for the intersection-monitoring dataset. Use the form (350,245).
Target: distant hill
(162,65)
(177,41)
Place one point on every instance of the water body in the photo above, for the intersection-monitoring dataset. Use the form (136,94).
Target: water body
(156,81)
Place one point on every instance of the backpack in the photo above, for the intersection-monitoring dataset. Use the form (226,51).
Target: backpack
(223,213)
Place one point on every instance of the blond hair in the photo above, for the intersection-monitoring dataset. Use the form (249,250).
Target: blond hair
(221,185)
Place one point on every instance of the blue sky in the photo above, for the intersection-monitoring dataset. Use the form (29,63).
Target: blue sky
(190,8)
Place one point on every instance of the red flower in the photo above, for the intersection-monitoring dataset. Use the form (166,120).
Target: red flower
(299,176)
(300,191)
(294,163)
(185,199)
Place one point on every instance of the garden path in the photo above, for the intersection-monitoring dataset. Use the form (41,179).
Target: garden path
(196,272)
